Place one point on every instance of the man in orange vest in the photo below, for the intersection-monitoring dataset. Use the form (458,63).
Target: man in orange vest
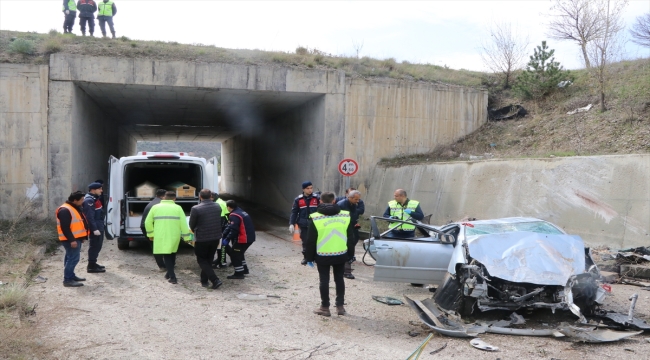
(73,230)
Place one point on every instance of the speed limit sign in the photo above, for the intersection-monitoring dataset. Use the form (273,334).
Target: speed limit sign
(348,167)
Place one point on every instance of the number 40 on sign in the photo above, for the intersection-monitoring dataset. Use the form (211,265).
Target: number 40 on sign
(348,167)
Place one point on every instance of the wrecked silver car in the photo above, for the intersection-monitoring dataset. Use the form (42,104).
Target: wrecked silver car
(504,264)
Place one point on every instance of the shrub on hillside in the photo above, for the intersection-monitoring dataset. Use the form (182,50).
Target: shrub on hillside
(22,46)
(52,45)
(542,74)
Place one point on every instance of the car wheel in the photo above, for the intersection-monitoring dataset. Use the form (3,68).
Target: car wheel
(122,244)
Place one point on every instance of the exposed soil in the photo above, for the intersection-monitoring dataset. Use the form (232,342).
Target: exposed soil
(131,312)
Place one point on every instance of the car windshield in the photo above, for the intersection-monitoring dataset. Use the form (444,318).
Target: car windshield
(534,226)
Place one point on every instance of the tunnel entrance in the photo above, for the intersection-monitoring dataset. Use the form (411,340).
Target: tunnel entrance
(277,126)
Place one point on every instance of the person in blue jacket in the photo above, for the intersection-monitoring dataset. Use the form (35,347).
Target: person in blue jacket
(94,212)
(238,237)
(352,203)
(303,206)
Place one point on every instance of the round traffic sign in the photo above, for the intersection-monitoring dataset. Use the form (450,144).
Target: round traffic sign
(348,167)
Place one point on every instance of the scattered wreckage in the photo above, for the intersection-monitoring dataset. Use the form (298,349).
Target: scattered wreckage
(501,264)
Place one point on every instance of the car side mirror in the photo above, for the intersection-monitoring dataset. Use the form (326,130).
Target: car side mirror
(447,239)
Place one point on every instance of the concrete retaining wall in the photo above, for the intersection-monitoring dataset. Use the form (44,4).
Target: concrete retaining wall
(23,140)
(604,199)
(387,118)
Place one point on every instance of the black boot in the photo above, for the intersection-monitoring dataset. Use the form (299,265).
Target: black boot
(237,275)
(246,272)
(93,268)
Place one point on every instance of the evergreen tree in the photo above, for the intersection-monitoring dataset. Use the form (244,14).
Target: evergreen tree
(542,74)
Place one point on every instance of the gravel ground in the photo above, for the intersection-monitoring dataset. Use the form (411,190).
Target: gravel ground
(131,312)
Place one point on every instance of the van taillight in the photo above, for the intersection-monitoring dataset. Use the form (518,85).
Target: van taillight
(130,239)
(182,154)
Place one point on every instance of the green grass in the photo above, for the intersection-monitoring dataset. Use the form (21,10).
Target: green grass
(13,295)
(302,57)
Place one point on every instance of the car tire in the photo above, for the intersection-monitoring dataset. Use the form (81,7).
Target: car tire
(123,244)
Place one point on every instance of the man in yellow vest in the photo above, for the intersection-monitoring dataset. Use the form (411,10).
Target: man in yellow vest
(166,225)
(69,13)
(72,228)
(403,208)
(107,10)
(329,242)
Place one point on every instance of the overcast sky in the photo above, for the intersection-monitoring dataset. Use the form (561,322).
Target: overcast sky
(437,32)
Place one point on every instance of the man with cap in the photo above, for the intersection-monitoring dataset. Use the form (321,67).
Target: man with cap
(92,209)
(303,206)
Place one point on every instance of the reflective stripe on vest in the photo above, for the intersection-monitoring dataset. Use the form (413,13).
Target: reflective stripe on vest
(224,208)
(397,210)
(71,6)
(105,8)
(77,227)
(332,233)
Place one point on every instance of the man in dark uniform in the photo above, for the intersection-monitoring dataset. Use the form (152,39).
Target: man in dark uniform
(92,208)
(354,205)
(87,10)
(329,244)
(160,194)
(303,206)
(238,237)
(69,13)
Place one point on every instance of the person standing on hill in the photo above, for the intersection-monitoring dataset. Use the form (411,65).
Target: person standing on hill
(72,228)
(166,225)
(107,10)
(87,10)
(303,206)
(69,14)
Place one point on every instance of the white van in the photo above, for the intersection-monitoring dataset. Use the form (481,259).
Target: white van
(124,209)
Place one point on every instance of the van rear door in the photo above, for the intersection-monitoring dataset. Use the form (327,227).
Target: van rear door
(212,174)
(112,219)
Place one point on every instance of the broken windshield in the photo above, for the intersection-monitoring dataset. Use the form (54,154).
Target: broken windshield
(499,228)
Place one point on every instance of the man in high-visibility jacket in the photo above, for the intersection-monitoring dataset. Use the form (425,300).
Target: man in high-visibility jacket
(328,244)
(106,11)
(72,228)
(69,14)
(403,208)
(166,225)
(220,260)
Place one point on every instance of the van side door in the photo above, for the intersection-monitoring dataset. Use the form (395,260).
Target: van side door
(212,174)
(113,217)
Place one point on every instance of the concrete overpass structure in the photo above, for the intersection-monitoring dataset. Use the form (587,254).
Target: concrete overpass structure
(278,126)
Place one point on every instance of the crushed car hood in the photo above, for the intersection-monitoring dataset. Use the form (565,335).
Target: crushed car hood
(528,257)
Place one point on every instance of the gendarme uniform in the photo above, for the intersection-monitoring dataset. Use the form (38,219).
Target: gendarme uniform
(332,237)
(166,224)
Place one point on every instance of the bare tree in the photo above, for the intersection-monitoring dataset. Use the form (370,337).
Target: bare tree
(641,30)
(505,52)
(576,20)
(357,46)
(606,48)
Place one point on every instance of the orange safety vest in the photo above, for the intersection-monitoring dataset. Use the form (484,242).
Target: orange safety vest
(77,227)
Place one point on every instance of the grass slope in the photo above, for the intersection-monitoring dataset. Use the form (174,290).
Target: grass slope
(46,44)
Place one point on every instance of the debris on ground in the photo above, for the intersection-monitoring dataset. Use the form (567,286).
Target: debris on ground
(254,297)
(450,325)
(40,279)
(579,110)
(387,300)
(480,344)
(442,348)
(416,354)
(507,112)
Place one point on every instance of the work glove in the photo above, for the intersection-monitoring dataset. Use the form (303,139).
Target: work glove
(67,12)
(408,211)
(97,233)
(225,241)
(291,229)
(310,264)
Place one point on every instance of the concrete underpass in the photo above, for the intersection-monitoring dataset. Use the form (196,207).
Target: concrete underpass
(278,126)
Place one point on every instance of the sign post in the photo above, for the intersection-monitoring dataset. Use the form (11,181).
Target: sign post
(347,168)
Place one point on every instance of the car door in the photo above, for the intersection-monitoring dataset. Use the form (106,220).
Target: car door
(212,174)
(421,260)
(112,217)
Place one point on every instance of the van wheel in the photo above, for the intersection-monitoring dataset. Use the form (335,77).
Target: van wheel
(123,244)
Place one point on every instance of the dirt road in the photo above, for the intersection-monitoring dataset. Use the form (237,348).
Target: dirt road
(131,312)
